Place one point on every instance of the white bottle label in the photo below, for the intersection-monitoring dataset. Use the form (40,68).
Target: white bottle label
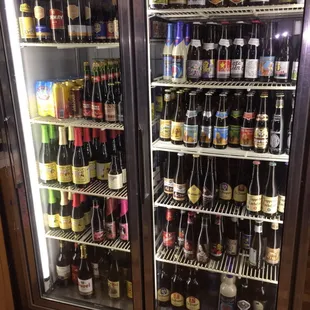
(208,46)
(237,67)
(254,41)
(115,181)
(196,2)
(85,286)
(195,43)
(63,273)
(251,69)
(224,42)
(232,246)
(239,41)
(114,289)
(254,202)
(124,175)
(252,258)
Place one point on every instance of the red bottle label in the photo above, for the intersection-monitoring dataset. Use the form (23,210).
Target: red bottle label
(87,108)
(74,272)
(188,248)
(98,236)
(57,19)
(247,137)
(104,77)
(216,249)
(123,232)
(97,110)
(169,239)
(223,68)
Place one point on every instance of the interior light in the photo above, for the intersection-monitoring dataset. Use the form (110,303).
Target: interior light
(277,36)
(285,34)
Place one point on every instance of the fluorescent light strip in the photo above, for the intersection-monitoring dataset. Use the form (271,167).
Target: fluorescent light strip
(30,153)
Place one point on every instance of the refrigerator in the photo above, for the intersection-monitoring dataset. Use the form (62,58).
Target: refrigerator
(34,249)
(169,263)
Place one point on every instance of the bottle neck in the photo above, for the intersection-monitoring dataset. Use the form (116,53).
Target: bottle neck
(83,252)
(208,103)
(71,133)
(51,197)
(78,137)
(180,162)
(224,32)
(103,136)
(110,206)
(63,198)
(192,103)
(239,33)
(52,132)
(45,137)
(124,207)
(222,104)
(262,106)
(76,201)
(62,136)
(249,104)
(196,32)
(254,31)
(86,135)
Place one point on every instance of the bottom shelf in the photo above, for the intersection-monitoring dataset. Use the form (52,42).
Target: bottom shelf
(237,266)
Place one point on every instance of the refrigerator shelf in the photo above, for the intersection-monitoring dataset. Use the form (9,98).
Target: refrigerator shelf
(226,85)
(219,209)
(76,123)
(237,266)
(270,11)
(229,152)
(97,188)
(86,238)
(71,45)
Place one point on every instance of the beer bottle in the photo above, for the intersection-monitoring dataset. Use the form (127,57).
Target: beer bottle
(169,175)
(87,92)
(256,249)
(209,53)
(277,127)
(235,121)
(85,277)
(273,247)
(243,295)
(178,289)
(260,300)
(63,266)
(97,223)
(220,130)
(179,54)
(193,292)
(77,218)
(232,237)
(228,292)
(165,118)
(190,242)
(158,4)
(110,106)
(205,136)
(254,197)
(170,231)
(270,196)
(240,189)
(75,28)
(225,190)
(296,42)
(282,61)
(190,137)
(115,177)
(177,123)
(267,59)
(103,161)
(203,243)
(70,142)
(194,57)
(75,264)
(43,31)
(248,123)
(65,213)
(57,21)
(110,224)
(247,234)
(96,98)
(208,190)
(164,287)
(123,221)
(282,191)
(179,184)
(216,239)
(94,262)
(223,59)
(64,161)
(196,3)
(89,153)
(182,228)
(290,125)
(27,27)
(114,285)
(95,141)
(177,3)
(239,48)
(52,211)
(194,191)
(167,53)
(253,53)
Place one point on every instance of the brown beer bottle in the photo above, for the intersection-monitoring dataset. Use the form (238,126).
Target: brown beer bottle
(89,153)
(87,92)
(220,130)
(57,21)
(232,237)
(77,218)
(256,248)
(254,196)
(190,240)
(170,231)
(235,121)
(114,283)
(194,185)
(247,128)
(164,286)
(96,98)
(75,28)
(190,137)
(85,276)
(224,58)
(41,15)
(208,189)
(165,118)
(178,289)
(179,184)
(282,191)
(225,190)
(63,269)
(216,239)
(177,123)
(75,264)
(205,135)
(110,106)
(169,175)
(273,247)
(182,228)
(193,292)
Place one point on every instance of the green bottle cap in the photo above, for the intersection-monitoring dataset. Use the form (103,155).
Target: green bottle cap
(52,132)
(51,196)
(45,136)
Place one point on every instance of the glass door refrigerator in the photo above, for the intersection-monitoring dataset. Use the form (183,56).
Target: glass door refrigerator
(70,155)
(223,108)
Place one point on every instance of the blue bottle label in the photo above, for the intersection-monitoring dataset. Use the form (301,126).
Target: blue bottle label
(100,30)
(177,67)
(194,69)
(167,66)
(266,66)
(220,135)
(246,241)
(208,69)
(222,115)
(43,30)
(190,134)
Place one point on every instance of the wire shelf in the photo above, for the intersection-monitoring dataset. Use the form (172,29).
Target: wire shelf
(86,238)
(270,11)
(97,188)
(234,265)
(76,123)
(229,152)
(226,85)
(72,45)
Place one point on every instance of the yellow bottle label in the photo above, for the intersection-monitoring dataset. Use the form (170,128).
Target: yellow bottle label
(177,300)
(192,303)
(163,294)
(80,175)
(225,192)
(194,193)
(270,204)
(177,130)
(47,171)
(92,169)
(87,217)
(65,222)
(129,289)
(240,192)
(165,129)
(53,220)
(26,27)
(254,202)
(64,173)
(114,289)
(103,171)
(78,225)
(281,203)
(272,256)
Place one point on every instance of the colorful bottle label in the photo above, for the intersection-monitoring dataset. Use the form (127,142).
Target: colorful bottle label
(194,194)
(78,225)
(110,112)
(97,110)
(165,129)
(234,134)
(169,239)
(27,28)
(251,69)
(223,69)
(129,289)
(205,134)
(220,135)
(98,236)
(64,173)
(87,109)
(177,300)
(216,249)
(246,137)
(110,230)
(192,303)
(179,191)
(188,249)
(194,69)
(56,19)
(63,272)
(266,66)
(80,175)
(167,67)
(254,202)
(86,287)
(123,231)
(246,241)
(208,69)
(65,222)
(102,171)
(168,186)
(190,134)
(281,203)
(281,70)
(272,256)
(240,193)
(237,68)
(53,220)
(294,72)
(177,67)
(177,131)
(48,172)
(261,138)
(270,204)
(163,294)
(231,246)
(225,191)
(115,181)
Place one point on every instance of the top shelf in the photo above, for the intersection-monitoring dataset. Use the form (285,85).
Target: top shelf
(72,45)
(266,11)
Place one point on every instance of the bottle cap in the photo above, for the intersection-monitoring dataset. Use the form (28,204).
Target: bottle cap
(225,22)
(112,134)
(272,163)
(95,133)
(264,94)
(86,135)
(256,162)
(180,154)
(196,155)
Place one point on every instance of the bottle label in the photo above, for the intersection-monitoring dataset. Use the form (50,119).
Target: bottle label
(48,171)
(281,203)
(281,69)
(110,230)
(270,204)
(254,202)
(73,11)
(266,66)
(249,115)
(240,193)
(272,256)
(87,109)
(246,137)
(261,138)
(254,41)
(252,257)
(110,30)
(97,111)
(251,68)
(194,68)
(80,175)
(78,225)
(207,197)
(196,2)
(225,191)
(294,70)
(177,300)
(129,289)
(168,186)
(56,19)
(64,173)
(177,67)
(188,249)
(169,239)
(238,41)
(163,294)
(27,28)
(110,112)
(123,231)
(234,134)
(220,135)
(190,134)
(98,236)
(92,169)
(208,46)
(87,217)
(192,303)
(223,68)
(102,171)
(258,228)
(227,303)
(165,129)
(224,42)
(258,305)
(65,222)
(243,305)
(115,181)
(95,267)
(43,31)
(202,254)
(179,191)
(208,68)
(85,286)
(167,67)
(194,194)
(205,134)
(275,139)
(181,236)
(216,249)
(177,131)
(63,273)
(237,67)
(74,273)
(246,241)
(231,246)
(53,220)
(116,29)
(39,12)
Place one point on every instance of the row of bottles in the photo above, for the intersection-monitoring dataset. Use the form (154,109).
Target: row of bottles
(81,160)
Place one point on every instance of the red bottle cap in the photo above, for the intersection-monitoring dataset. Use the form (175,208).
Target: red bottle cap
(95,133)
(78,136)
(86,135)
(76,200)
(124,207)
(83,198)
(103,136)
